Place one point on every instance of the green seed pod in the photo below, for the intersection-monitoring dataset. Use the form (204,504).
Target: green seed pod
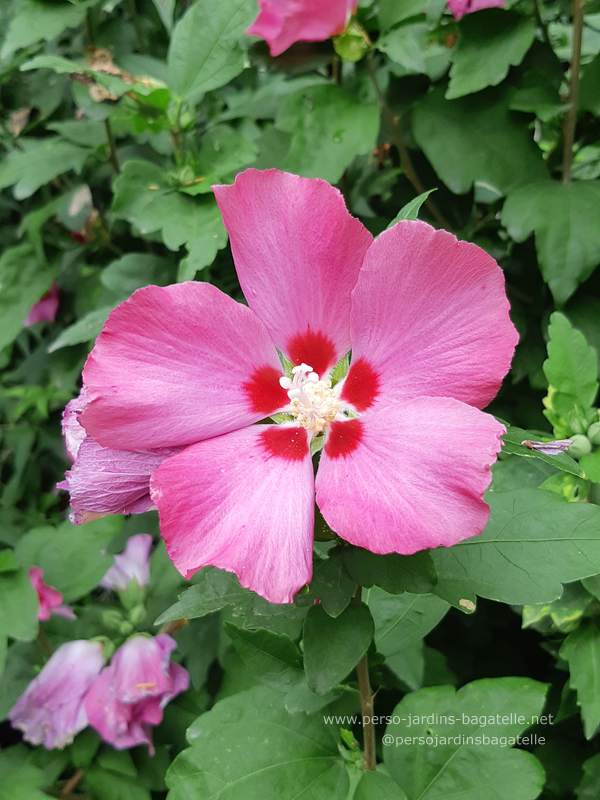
(581,446)
(593,433)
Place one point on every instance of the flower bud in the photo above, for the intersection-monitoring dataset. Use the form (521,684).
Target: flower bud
(593,433)
(581,446)
(351,45)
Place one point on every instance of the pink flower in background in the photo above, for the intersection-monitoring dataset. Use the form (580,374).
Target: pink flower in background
(283,22)
(51,710)
(461,7)
(45,309)
(103,480)
(132,565)
(49,597)
(129,696)
(406,451)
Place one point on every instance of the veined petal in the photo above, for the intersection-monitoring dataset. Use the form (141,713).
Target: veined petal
(178,364)
(409,477)
(429,317)
(106,481)
(298,253)
(243,502)
(283,22)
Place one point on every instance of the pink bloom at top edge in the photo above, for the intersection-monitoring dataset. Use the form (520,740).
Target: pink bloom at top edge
(461,7)
(45,309)
(132,564)
(49,597)
(51,710)
(406,452)
(128,697)
(283,22)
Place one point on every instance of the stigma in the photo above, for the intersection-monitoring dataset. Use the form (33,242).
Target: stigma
(313,402)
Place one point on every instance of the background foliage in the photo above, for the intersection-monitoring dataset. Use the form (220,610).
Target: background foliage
(116,119)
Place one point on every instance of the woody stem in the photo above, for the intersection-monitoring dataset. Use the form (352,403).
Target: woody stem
(366,704)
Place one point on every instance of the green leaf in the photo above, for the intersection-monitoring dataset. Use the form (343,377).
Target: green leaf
(568,248)
(37,20)
(334,646)
(71,556)
(533,543)
(20,778)
(329,127)
(165,10)
(377,786)
(476,140)
(205,52)
(589,788)
(489,44)
(591,466)
(401,623)
(570,368)
(273,658)
(331,585)
(589,88)
(512,445)
(249,746)
(135,270)
(39,162)
(105,784)
(86,329)
(24,279)
(415,50)
(581,649)
(216,589)
(411,210)
(393,11)
(144,197)
(454,764)
(394,573)
(19,606)
(83,132)
(112,83)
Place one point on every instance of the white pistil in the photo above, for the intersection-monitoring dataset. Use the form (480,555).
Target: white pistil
(314,404)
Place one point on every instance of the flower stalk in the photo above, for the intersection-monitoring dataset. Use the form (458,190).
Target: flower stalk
(571,115)
(366,704)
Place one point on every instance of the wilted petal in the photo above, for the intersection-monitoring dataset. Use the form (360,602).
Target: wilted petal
(133,564)
(297,253)
(106,481)
(283,22)
(551,448)
(49,597)
(429,318)
(409,477)
(73,431)
(51,710)
(243,502)
(177,364)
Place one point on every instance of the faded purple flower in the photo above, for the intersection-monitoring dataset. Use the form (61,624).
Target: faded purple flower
(133,564)
(128,697)
(51,710)
(552,448)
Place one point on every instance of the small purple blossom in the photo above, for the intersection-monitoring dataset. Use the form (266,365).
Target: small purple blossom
(51,710)
(131,565)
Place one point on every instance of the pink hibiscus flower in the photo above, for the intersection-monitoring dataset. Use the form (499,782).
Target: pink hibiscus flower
(406,451)
(283,22)
(461,7)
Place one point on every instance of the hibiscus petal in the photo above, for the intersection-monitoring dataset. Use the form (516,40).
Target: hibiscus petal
(409,477)
(178,364)
(283,22)
(243,502)
(107,481)
(298,253)
(429,317)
